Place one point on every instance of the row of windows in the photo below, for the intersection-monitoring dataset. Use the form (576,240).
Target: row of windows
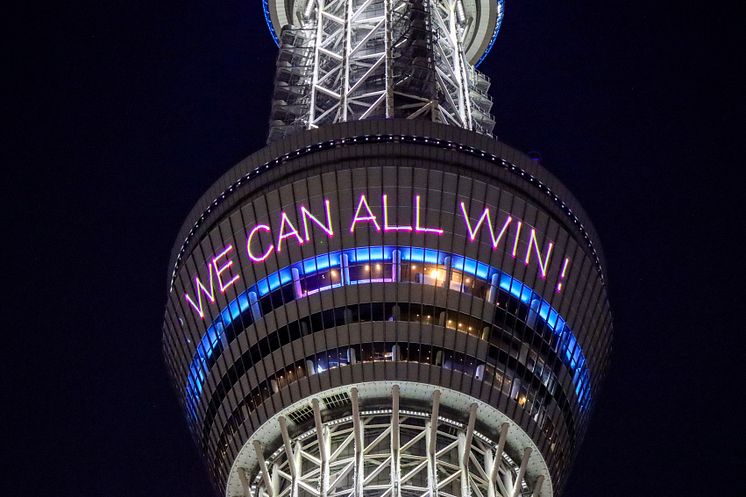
(532,401)
(419,313)
(527,326)
(505,349)
(517,308)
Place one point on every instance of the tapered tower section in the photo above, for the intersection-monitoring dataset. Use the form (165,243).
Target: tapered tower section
(386,301)
(346,60)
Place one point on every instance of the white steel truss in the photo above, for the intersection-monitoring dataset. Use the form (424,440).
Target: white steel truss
(366,59)
(390,453)
(351,63)
(450,66)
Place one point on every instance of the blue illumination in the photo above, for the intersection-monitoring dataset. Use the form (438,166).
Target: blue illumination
(515,288)
(268,20)
(470,266)
(568,348)
(367,254)
(422,255)
(498,23)
(319,263)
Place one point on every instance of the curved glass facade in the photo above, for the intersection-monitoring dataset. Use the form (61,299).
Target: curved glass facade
(387,264)
(344,257)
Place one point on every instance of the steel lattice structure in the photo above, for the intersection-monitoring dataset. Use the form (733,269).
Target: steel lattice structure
(364,59)
(389,453)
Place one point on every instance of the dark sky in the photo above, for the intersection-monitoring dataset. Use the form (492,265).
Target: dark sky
(123,113)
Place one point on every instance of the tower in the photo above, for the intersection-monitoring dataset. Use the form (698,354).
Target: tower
(385,300)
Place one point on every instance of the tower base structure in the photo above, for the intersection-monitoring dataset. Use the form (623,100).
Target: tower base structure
(383,439)
(387,307)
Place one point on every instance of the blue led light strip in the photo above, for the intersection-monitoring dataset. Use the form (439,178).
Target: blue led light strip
(498,23)
(569,349)
(268,20)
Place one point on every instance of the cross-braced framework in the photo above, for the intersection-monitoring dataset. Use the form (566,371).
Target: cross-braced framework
(363,59)
(390,453)
(450,66)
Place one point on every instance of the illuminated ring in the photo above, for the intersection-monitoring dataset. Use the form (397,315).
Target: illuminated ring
(571,351)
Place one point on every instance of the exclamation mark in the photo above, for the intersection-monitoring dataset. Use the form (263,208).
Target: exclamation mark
(562,274)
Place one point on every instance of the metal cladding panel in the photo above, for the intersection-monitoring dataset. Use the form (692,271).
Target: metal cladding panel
(420,253)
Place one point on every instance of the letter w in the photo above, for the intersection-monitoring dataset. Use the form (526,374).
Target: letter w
(485,216)
(200,289)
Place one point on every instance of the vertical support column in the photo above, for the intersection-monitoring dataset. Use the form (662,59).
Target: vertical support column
(293,458)
(298,464)
(297,289)
(455,35)
(256,311)
(308,10)
(431,34)
(465,450)
(395,313)
(288,447)
(489,463)
(492,292)
(496,460)
(323,449)
(396,266)
(453,38)
(389,68)
(395,443)
(537,486)
(245,488)
(275,475)
(469,432)
(357,426)
(348,316)
(479,373)
(396,352)
(344,268)
(463,461)
(533,313)
(521,471)
(259,450)
(346,56)
(431,447)
(447,278)
(316,63)
(223,340)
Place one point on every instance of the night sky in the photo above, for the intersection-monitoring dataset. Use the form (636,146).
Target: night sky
(123,113)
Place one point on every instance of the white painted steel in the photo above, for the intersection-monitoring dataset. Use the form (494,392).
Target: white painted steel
(390,452)
(348,60)
(482,18)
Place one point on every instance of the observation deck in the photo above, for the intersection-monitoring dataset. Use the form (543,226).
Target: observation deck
(382,277)
(386,301)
